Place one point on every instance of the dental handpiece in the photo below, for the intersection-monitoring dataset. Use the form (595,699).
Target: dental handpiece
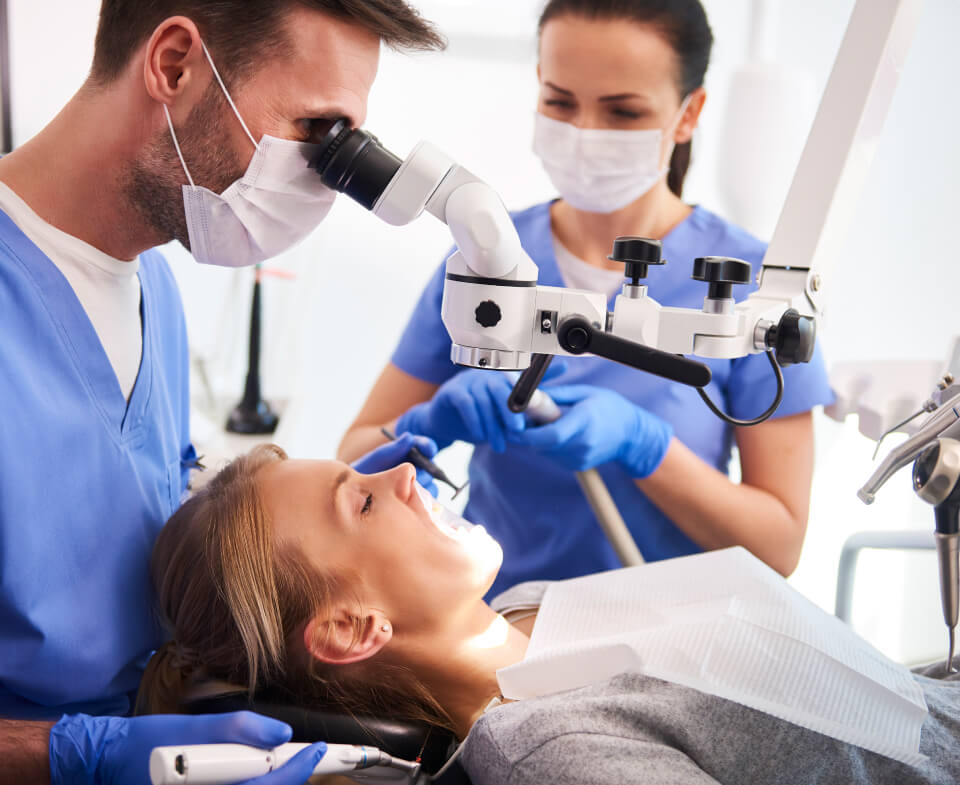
(943,421)
(936,479)
(223,764)
(421,461)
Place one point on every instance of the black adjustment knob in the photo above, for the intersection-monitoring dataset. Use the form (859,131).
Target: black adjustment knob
(721,272)
(792,338)
(488,314)
(636,253)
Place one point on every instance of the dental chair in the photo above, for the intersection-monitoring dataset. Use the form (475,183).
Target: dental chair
(432,747)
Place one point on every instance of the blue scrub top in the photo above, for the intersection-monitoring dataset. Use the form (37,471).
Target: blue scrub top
(535,508)
(86,482)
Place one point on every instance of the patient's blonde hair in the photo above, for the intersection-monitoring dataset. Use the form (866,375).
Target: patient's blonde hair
(236,602)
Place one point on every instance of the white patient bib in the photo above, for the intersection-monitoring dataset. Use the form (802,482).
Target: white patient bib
(725,624)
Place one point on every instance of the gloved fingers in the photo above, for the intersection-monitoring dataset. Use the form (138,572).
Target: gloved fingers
(385,456)
(239,727)
(553,436)
(413,419)
(425,444)
(485,397)
(464,402)
(500,395)
(570,394)
(557,367)
(426,480)
(297,770)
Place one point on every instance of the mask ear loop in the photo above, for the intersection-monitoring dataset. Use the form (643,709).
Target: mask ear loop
(673,146)
(223,87)
(176,145)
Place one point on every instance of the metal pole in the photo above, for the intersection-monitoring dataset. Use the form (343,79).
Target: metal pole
(6,124)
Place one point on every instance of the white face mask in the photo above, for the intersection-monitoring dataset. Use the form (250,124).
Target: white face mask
(278,201)
(600,170)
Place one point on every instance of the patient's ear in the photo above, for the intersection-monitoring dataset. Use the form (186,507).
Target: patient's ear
(338,638)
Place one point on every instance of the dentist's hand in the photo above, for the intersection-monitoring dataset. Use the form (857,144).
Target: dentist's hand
(116,750)
(394,453)
(470,407)
(600,426)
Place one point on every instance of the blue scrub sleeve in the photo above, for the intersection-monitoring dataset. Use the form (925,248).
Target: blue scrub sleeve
(424,347)
(752,386)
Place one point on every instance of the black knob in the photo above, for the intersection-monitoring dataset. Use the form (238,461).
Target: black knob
(721,272)
(488,313)
(793,338)
(636,253)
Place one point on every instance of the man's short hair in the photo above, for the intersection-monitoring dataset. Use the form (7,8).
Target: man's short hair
(240,32)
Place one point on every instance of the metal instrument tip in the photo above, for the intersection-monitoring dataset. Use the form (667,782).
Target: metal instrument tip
(953,634)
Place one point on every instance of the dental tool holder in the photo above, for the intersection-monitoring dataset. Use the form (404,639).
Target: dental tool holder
(935,451)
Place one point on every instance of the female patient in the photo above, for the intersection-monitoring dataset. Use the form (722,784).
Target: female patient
(287,575)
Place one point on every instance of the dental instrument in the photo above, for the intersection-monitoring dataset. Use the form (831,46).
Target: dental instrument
(221,764)
(935,450)
(421,461)
(936,479)
(541,409)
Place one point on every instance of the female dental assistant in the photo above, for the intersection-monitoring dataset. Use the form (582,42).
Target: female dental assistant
(621,91)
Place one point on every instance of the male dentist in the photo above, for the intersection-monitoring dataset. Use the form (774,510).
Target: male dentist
(193,125)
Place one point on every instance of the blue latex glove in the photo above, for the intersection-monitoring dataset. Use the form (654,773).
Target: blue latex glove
(600,426)
(116,750)
(394,453)
(470,407)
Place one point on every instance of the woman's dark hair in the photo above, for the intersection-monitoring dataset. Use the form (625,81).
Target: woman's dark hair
(683,23)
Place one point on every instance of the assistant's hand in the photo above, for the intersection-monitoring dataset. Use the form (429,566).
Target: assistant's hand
(471,407)
(116,750)
(394,453)
(600,426)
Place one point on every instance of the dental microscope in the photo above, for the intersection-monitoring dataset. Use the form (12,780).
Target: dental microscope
(499,318)
(935,452)
(497,315)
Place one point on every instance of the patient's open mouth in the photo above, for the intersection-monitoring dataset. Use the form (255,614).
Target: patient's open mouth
(450,524)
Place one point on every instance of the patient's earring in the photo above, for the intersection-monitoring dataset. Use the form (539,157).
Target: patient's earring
(384,628)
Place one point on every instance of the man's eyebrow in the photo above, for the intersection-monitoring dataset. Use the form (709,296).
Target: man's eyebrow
(552,86)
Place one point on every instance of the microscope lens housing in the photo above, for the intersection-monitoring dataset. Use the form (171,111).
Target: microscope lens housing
(354,163)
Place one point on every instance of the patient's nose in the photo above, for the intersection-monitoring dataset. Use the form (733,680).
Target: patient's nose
(403,479)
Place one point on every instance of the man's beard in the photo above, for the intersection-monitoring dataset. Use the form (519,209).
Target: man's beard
(153,183)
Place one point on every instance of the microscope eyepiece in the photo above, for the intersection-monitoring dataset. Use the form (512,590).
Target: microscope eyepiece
(354,163)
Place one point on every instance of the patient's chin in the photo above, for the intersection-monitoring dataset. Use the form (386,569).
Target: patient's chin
(486,555)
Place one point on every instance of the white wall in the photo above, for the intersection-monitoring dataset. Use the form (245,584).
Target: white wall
(329,332)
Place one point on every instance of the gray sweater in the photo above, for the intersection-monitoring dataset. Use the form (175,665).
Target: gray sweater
(637,729)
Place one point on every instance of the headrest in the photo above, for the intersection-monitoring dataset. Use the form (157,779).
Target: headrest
(399,738)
